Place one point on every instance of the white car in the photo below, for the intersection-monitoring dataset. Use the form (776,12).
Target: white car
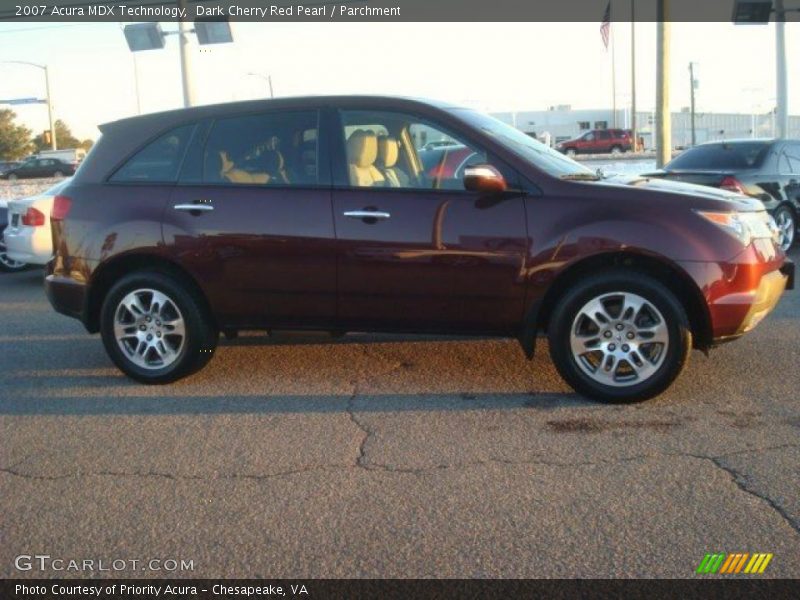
(27,237)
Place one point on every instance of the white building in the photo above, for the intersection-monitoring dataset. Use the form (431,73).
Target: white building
(563,123)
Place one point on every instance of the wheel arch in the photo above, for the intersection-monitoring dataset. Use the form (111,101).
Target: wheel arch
(671,275)
(108,273)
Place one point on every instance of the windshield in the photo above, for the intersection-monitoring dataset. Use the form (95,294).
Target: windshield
(744,155)
(542,156)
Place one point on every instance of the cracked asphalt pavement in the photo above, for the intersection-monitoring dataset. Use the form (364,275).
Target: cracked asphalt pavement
(390,456)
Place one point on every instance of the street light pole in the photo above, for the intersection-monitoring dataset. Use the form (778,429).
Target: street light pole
(782,101)
(53,144)
(186,58)
(691,88)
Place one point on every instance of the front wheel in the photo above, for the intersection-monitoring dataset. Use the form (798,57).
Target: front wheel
(619,337)
(155,329)
(785,220)
(571,152)
(616,150)
(58,174)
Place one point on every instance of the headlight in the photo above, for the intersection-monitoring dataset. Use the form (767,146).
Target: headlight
(745,227)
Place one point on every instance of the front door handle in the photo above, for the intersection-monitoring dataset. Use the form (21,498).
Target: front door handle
(200,206)
(366,214)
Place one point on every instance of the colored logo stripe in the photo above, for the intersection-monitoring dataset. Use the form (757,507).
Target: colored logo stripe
(723,563)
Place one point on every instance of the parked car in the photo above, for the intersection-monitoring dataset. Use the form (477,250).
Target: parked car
(318,214)
(70,155)
(40,167)
(28,237)
(598,141)
(6,165)
(439,144)
(7,265)
(768,170)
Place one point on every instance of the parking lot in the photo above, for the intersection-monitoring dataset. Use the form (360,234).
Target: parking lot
(386,456)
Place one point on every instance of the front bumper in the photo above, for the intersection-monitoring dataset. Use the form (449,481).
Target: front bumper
(739,293)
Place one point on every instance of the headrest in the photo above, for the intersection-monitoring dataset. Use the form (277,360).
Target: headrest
(362,148)
(388,150)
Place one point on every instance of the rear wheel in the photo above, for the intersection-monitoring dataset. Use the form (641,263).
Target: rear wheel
(155,329)
(12,177)
(7,264)
(785,219)
(58,174)
(619,337)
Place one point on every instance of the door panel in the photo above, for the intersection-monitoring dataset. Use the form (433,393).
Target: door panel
(266,256)
(440,261)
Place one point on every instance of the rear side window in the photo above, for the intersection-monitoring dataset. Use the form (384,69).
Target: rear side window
(277,148)
(159,161)
(746,155)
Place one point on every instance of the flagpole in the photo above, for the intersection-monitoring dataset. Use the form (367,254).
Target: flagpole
(634,135)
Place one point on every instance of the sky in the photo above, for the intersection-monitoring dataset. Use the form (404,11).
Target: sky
(489,66)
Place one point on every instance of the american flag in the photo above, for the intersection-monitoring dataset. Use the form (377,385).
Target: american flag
(605,27)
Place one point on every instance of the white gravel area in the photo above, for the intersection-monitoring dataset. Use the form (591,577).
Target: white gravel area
(22,188)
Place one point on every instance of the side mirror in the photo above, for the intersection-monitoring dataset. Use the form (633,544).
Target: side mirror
(484,178)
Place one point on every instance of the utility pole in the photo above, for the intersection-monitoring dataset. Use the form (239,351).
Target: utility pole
(634,135)
(186,58)
(691,91)
(663,117)
(613,75)
(782,100)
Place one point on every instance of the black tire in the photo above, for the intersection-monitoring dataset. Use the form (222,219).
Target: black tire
(58,174)
(606,282)
(570,152)
(6,264)
(785,214)
(201,334)
(616,149)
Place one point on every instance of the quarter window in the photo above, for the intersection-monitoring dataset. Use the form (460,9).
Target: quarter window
(265,149)
(159,161)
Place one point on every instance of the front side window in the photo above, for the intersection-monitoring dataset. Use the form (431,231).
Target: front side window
(159,161)
(540,155)
(394,150)
(278,148)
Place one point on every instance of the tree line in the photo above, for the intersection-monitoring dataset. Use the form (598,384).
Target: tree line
(17,141)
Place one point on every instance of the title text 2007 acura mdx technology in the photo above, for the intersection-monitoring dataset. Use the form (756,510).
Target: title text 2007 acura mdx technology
(327,214)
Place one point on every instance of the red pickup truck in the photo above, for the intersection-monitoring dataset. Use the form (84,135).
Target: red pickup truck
(611,141)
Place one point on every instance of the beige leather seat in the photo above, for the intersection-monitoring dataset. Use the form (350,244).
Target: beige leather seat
(362,150)
(388,153)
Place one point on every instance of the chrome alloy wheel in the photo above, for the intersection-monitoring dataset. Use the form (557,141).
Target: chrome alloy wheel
(619,339)
(149,329)
(787,227)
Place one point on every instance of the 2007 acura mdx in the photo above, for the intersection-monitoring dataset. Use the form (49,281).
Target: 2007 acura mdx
(341,214)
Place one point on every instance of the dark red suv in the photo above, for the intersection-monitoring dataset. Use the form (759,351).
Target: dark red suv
(328,214)
(598,141)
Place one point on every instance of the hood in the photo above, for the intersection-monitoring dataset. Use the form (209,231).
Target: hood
(721,199)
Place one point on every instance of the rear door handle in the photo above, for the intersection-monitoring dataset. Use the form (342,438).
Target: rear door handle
(200,206)
(366,214)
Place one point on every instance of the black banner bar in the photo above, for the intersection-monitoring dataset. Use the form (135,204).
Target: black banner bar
(367,10)
(405,589)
